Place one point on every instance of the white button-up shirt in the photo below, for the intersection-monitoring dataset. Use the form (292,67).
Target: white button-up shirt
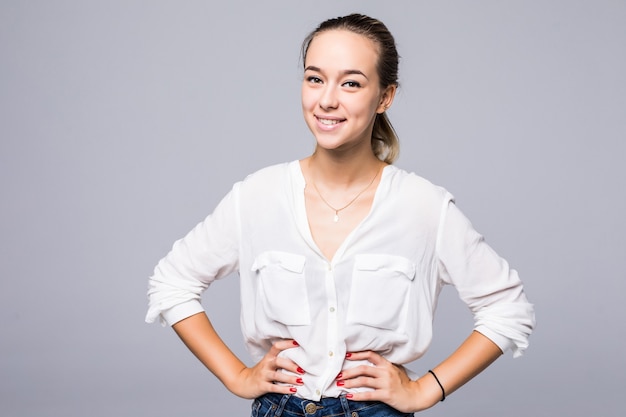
(378,293)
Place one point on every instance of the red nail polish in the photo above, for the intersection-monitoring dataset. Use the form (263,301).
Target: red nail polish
(340,383)
(300,370)
(299,380)
(339,376)
(349,395)
(296,343)
(348,354)
(293,389)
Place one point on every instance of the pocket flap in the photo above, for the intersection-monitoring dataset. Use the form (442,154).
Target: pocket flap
(375,262)
(289,261)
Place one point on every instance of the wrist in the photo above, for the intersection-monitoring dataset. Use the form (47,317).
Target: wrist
(429,391)
(236,383)
(443,391)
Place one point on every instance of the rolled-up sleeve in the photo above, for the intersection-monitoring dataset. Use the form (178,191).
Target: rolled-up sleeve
(485,282)
(208,252)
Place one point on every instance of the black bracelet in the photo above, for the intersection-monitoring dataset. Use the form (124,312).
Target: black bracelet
(443,391)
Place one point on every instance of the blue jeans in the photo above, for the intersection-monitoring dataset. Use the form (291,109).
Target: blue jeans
(278,405)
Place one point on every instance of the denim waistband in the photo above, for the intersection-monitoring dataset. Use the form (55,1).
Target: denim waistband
(278,405)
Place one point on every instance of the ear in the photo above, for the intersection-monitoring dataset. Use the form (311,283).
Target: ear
(386,99)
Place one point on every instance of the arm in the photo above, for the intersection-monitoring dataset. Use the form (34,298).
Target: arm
(200,337)
(393,387)
(475,354)
(209,252)
(503,320)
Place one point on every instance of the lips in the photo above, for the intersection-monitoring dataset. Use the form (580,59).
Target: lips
(329,121)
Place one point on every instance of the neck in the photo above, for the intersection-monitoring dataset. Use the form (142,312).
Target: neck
(341,170)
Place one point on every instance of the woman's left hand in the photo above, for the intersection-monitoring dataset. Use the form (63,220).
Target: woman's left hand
(390,383)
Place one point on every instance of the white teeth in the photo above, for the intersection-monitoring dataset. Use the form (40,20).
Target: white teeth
(328,122)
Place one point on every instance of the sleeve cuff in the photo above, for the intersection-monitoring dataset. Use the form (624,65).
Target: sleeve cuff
(503,342)
(181,311)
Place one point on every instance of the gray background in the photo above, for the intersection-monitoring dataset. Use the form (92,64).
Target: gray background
(122,123)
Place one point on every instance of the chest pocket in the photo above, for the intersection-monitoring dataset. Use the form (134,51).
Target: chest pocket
(381,287)
(281,290)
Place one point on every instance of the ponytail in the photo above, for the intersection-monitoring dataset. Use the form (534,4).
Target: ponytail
(385,142)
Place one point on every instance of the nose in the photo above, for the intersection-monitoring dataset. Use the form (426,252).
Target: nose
(328,98)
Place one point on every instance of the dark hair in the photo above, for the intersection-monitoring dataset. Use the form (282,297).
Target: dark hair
(384,139)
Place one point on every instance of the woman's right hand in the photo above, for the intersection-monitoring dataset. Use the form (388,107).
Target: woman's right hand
(198,334)
(267,376)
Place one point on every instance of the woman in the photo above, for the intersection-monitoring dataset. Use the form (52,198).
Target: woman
(341,257)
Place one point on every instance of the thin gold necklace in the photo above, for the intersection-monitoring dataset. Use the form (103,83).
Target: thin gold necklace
(337,210)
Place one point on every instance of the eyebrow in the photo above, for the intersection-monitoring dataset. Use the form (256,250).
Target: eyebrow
(345,72)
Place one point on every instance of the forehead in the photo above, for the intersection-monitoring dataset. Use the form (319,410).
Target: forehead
(343,49)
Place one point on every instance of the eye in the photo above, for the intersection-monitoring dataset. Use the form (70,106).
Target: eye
(352,84)
(314,79)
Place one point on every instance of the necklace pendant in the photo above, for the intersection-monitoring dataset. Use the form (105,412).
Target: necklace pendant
(336,218)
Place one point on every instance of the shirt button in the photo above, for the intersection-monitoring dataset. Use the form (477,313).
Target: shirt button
(330,353)
(318,392)
(332,309)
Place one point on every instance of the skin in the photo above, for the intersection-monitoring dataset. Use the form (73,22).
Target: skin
(341,96)
(200,337)
(393,387)
(341,85)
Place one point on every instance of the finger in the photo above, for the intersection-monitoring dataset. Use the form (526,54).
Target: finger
(288,365)
(360,371)
(281,345)
(364,396)
(279,376)
(280,382)
(282,389)
(368,355)
(362,382)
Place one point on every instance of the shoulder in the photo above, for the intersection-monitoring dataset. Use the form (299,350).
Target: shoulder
(267,181)
(270,172)
(410,187)
(268,175)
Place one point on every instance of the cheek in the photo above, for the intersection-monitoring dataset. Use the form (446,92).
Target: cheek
(363,108)
(376,104)
(308,99)
(306,96)
(307,108)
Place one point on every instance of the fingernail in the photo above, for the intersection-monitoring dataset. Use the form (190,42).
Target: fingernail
(300,370)
(299,380)
(340,383)
(348,354)
(349,395)
(339,376)
(296,343)
(293,389)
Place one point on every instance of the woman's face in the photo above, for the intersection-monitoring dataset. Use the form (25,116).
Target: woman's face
(341,93)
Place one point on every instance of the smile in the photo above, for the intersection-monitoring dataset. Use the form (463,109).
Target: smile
(329,122)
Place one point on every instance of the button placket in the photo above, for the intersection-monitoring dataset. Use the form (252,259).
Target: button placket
(332,336)
(332,318)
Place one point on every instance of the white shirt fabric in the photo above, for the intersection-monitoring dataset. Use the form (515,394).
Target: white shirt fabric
(378,293)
